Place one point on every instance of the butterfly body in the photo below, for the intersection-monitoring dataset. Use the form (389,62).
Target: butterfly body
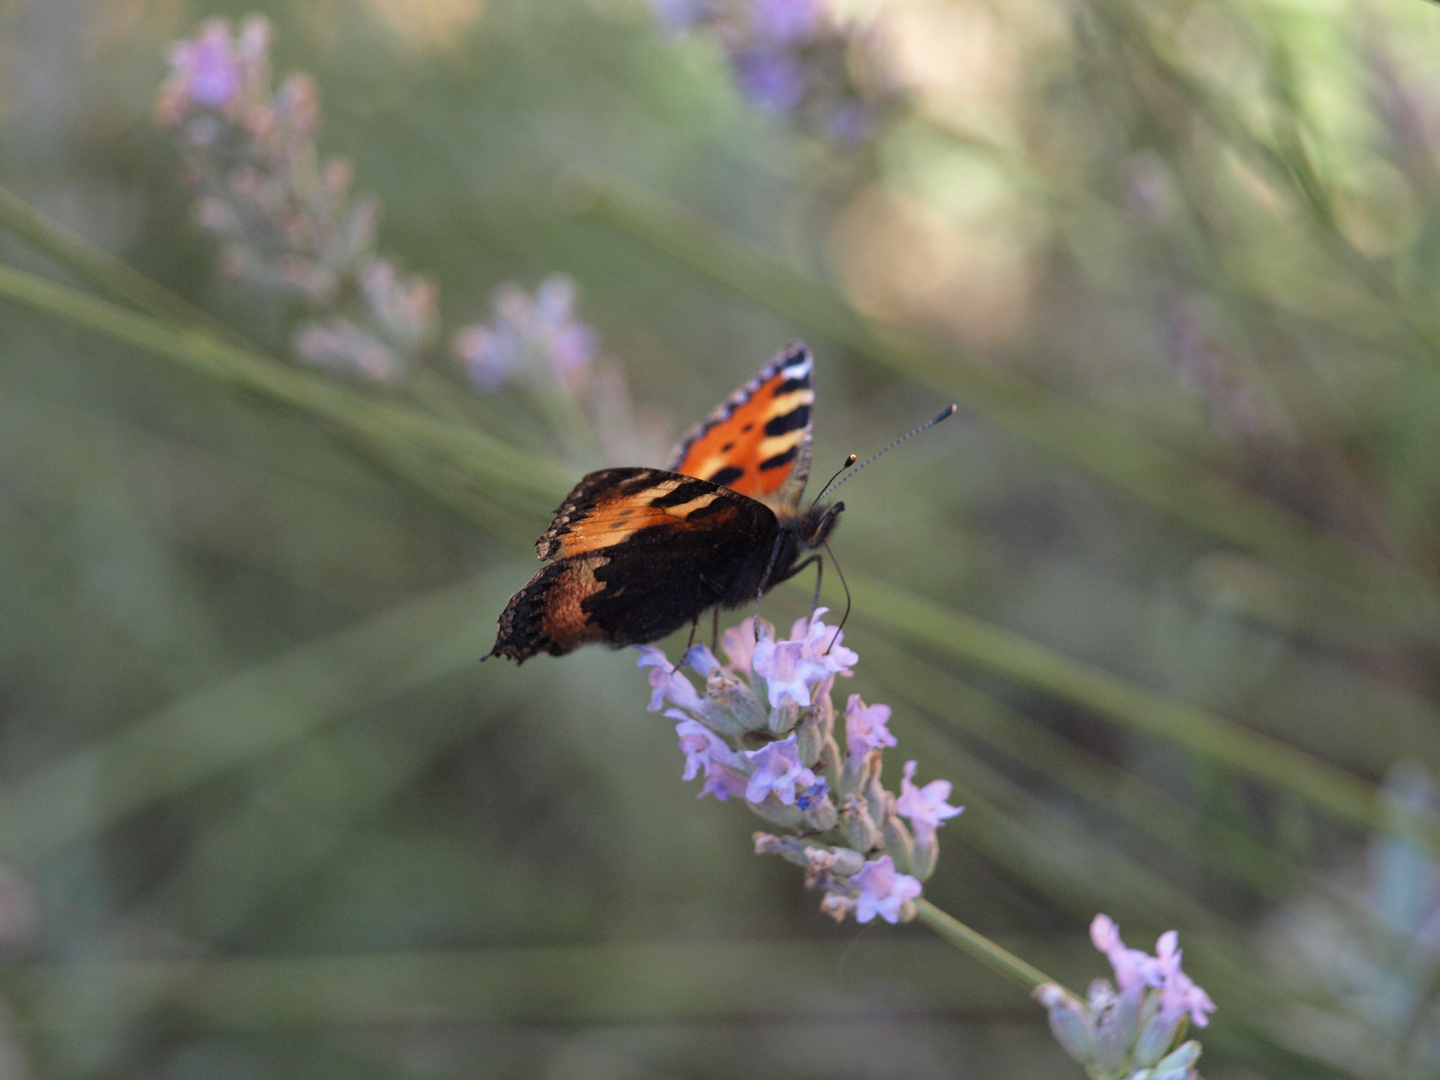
(635,554)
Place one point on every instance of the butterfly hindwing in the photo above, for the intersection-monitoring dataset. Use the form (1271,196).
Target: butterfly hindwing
(758,441)
(637,553)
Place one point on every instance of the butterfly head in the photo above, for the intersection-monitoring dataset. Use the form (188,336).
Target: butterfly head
(813,526)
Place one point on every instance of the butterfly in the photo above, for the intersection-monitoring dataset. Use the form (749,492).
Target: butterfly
(635,554)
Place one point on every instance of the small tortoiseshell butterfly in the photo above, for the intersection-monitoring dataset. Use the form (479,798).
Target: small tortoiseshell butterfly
(636,554)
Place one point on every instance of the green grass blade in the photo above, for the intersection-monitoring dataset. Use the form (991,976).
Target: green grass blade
(1362,582)
(1029,663)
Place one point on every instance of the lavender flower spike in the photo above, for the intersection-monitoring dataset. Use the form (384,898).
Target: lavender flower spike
(1131,1035)
(860,856)
(284,214)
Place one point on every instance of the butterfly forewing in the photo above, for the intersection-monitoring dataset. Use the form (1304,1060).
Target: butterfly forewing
(612,506)
(758,441)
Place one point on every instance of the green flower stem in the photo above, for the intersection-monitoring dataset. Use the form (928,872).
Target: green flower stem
(1027,662)
(101,269)
(981,947)
(1362,582)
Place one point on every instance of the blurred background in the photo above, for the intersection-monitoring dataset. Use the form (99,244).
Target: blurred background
(1161,601)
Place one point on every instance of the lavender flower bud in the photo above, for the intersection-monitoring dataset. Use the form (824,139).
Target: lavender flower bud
(767,843)
(924,855)
(896,836)
(1069,1022)
(1157,1033)
(847,861)
(1179,1065)
(736,700)
(1111,1044)
(810,739)
(820,814)
(860,830)
(837,905)
(884,892)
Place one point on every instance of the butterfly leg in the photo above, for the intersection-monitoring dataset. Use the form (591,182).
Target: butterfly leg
(715,629)
(700,606)
(819,561)
(694,625)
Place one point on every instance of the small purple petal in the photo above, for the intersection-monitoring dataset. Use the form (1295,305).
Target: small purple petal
(701,659)
(882,891)
(777,771)
(785,21)
(1180,995)
(739,644)
(722,783)
(771,78)
(666,683)
(925,807)
(812,794)
(865,728)
(1133,968)
(788,674)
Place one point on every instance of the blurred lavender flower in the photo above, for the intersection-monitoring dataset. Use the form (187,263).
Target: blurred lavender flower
(535,340)
(537,344)
(286,218)
(1236,407)
(1132,1033)
(763,729)
(795,57)
(1367,967)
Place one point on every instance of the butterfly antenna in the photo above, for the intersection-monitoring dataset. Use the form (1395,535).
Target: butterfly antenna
(951,411)
(848,462)
(836,636)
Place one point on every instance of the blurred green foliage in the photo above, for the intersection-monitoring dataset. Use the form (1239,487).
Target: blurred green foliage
(1163,602)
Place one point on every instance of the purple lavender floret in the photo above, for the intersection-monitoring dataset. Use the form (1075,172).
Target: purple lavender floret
(1134,968)
(865,728)
(666,682)
(777,772)
(925,807)
(882,891)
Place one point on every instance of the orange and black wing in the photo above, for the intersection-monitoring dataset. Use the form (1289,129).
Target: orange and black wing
(635,554)
(758,441)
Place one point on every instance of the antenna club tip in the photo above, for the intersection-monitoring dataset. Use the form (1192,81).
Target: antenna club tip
(949,412)
(851,460)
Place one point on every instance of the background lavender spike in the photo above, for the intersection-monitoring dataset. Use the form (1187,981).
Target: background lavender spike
(285,216)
